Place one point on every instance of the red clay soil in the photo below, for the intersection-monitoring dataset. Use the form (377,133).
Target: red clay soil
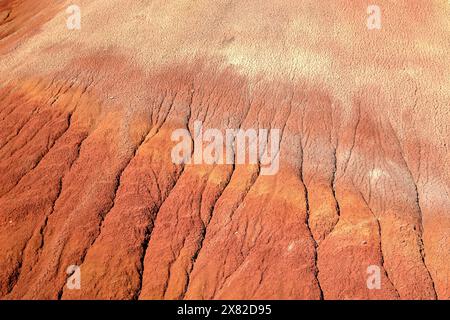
(87,179)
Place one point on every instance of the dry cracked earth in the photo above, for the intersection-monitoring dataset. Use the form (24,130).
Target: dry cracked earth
(87,177)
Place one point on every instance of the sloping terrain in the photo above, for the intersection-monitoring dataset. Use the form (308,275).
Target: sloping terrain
(87,179)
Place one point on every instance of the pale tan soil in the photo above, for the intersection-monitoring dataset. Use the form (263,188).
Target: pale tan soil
(86,176)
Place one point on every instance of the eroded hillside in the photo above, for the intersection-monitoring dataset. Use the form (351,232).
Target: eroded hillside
(87,177)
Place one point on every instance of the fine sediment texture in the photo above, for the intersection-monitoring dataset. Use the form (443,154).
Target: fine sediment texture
(87,178)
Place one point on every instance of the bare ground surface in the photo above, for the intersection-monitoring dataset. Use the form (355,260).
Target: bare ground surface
(86,176)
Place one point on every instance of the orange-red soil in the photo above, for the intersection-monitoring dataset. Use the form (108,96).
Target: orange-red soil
(86,176)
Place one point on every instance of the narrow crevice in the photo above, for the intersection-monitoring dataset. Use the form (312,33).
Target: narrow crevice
(30,139)
(421,243)
(263,267)
(254,177)
(34,135)
(5,111)
(148,236)
(60,188)
(159,124)
(419,208)
(234,209)
(150,228)
(104,213)
(206,225)
(238,203)
(18,271)
(242,257)
(116,186)
(42,230)
(43,227)
(316,246)
(333,183)
(169,267)
(382,258)
(36,109)
(15,275)
(5,19)
(205,230)
(358,121)
(230,274)
(333,191)
(8,112)
(42,156)
(59,94)
(19,130)
(377,221)
(243,254)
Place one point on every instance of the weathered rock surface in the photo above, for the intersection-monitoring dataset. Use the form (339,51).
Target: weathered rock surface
(86,176)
